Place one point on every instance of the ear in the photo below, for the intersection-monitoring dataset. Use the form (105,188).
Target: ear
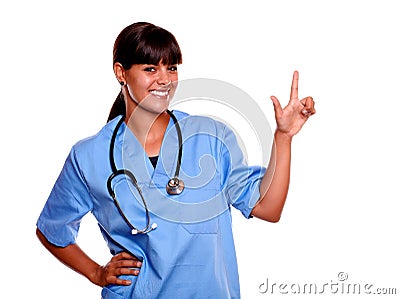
(119,72)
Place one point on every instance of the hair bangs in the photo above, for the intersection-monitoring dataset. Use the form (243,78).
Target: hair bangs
(145,43)
(158,46)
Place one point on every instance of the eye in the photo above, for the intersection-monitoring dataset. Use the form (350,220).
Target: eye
(173,68)
(150,69)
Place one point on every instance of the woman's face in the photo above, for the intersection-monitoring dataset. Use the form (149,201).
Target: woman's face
(151,87)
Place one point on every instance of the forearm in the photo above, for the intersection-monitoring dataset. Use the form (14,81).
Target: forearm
(73,257)
(275,183)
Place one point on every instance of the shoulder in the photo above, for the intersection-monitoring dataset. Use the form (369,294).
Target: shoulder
(200,124)
(98,141)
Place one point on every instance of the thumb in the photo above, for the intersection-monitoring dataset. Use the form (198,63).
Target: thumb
(277,106)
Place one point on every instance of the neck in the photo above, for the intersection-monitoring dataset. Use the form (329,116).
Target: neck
(148,128)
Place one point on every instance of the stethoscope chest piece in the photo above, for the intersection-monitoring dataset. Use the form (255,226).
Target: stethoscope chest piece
(175,186)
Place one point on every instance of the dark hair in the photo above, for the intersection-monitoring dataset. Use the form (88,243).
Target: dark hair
(143,43)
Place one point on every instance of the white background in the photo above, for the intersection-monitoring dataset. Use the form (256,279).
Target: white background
(57,86)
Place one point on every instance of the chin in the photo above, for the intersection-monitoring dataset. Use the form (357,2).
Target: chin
(154,109)
(154,104)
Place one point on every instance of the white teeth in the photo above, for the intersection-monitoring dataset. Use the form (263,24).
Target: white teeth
(159,93)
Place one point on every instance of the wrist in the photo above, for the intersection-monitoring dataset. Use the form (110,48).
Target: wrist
(96,276)
(282,137)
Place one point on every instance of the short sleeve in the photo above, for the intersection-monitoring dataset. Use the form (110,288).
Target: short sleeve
(68,202)
(240,181)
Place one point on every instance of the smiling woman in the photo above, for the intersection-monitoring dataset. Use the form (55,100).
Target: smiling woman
(137,156)
(149,87)
(146,48)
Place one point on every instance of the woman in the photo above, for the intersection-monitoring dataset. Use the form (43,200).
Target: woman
(190,252)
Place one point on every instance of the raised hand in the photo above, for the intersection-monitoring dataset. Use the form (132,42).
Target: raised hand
(290,120)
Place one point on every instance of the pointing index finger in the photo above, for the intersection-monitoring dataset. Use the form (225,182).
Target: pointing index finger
(295,87)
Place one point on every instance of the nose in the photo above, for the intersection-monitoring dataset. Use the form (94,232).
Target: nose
(164,78)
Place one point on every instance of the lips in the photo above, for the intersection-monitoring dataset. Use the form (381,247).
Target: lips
(160,93)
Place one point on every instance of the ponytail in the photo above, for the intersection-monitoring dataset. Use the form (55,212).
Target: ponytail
(118,108)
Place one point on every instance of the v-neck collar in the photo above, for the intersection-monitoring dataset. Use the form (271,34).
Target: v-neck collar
(135,158)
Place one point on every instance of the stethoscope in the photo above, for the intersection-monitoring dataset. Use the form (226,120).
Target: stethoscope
(174,185)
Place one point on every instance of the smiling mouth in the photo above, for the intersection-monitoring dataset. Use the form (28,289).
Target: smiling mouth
(160,93)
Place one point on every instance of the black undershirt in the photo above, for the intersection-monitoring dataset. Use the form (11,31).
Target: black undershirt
(153,161)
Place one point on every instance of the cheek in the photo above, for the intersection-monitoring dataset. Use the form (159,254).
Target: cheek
(139,89)
(174,87)
(144,84)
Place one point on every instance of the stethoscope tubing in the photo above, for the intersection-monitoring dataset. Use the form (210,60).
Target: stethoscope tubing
(180,142)
(127,173)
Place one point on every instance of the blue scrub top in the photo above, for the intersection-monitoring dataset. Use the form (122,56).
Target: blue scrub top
(191,254)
